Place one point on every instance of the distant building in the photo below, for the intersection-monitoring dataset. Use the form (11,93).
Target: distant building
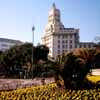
(6,44)
(58,38)
(86,44)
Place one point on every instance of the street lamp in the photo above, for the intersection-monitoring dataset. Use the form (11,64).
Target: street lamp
(33,28)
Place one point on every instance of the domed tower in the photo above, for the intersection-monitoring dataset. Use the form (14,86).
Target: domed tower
(58,38)
(54,22)
(54,15)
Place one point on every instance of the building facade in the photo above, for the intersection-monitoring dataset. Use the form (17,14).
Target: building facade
(86,44)
(58,38)
(6,44)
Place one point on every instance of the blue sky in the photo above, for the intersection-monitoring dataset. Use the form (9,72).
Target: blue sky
(18,16)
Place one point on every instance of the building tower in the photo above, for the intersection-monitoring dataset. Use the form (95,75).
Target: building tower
(58,38)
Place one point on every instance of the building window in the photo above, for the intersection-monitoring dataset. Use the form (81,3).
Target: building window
(76,35)
(70,46)
(60,28)
(58,55)
(58,46)
(63,46)
(63,41)
(58,51)
(57,20)
(71,36)
(66,46)
(58,41)
(66,41)
(70,41)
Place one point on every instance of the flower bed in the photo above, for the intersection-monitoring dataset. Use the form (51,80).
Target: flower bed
(50,92)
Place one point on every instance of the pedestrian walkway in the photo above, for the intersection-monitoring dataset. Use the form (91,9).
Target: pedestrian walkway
(11,84)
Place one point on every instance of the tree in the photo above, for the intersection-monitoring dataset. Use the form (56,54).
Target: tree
(0,52)
(97,60)
(77,65)
(15,59)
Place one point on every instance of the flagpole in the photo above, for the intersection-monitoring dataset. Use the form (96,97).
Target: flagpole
(33,28)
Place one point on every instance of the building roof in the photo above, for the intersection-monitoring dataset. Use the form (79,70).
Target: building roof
(87,43)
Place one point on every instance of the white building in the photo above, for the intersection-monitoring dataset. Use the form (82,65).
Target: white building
(6,44)
(58,38)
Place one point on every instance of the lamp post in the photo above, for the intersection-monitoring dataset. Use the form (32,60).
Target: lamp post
(33,28)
